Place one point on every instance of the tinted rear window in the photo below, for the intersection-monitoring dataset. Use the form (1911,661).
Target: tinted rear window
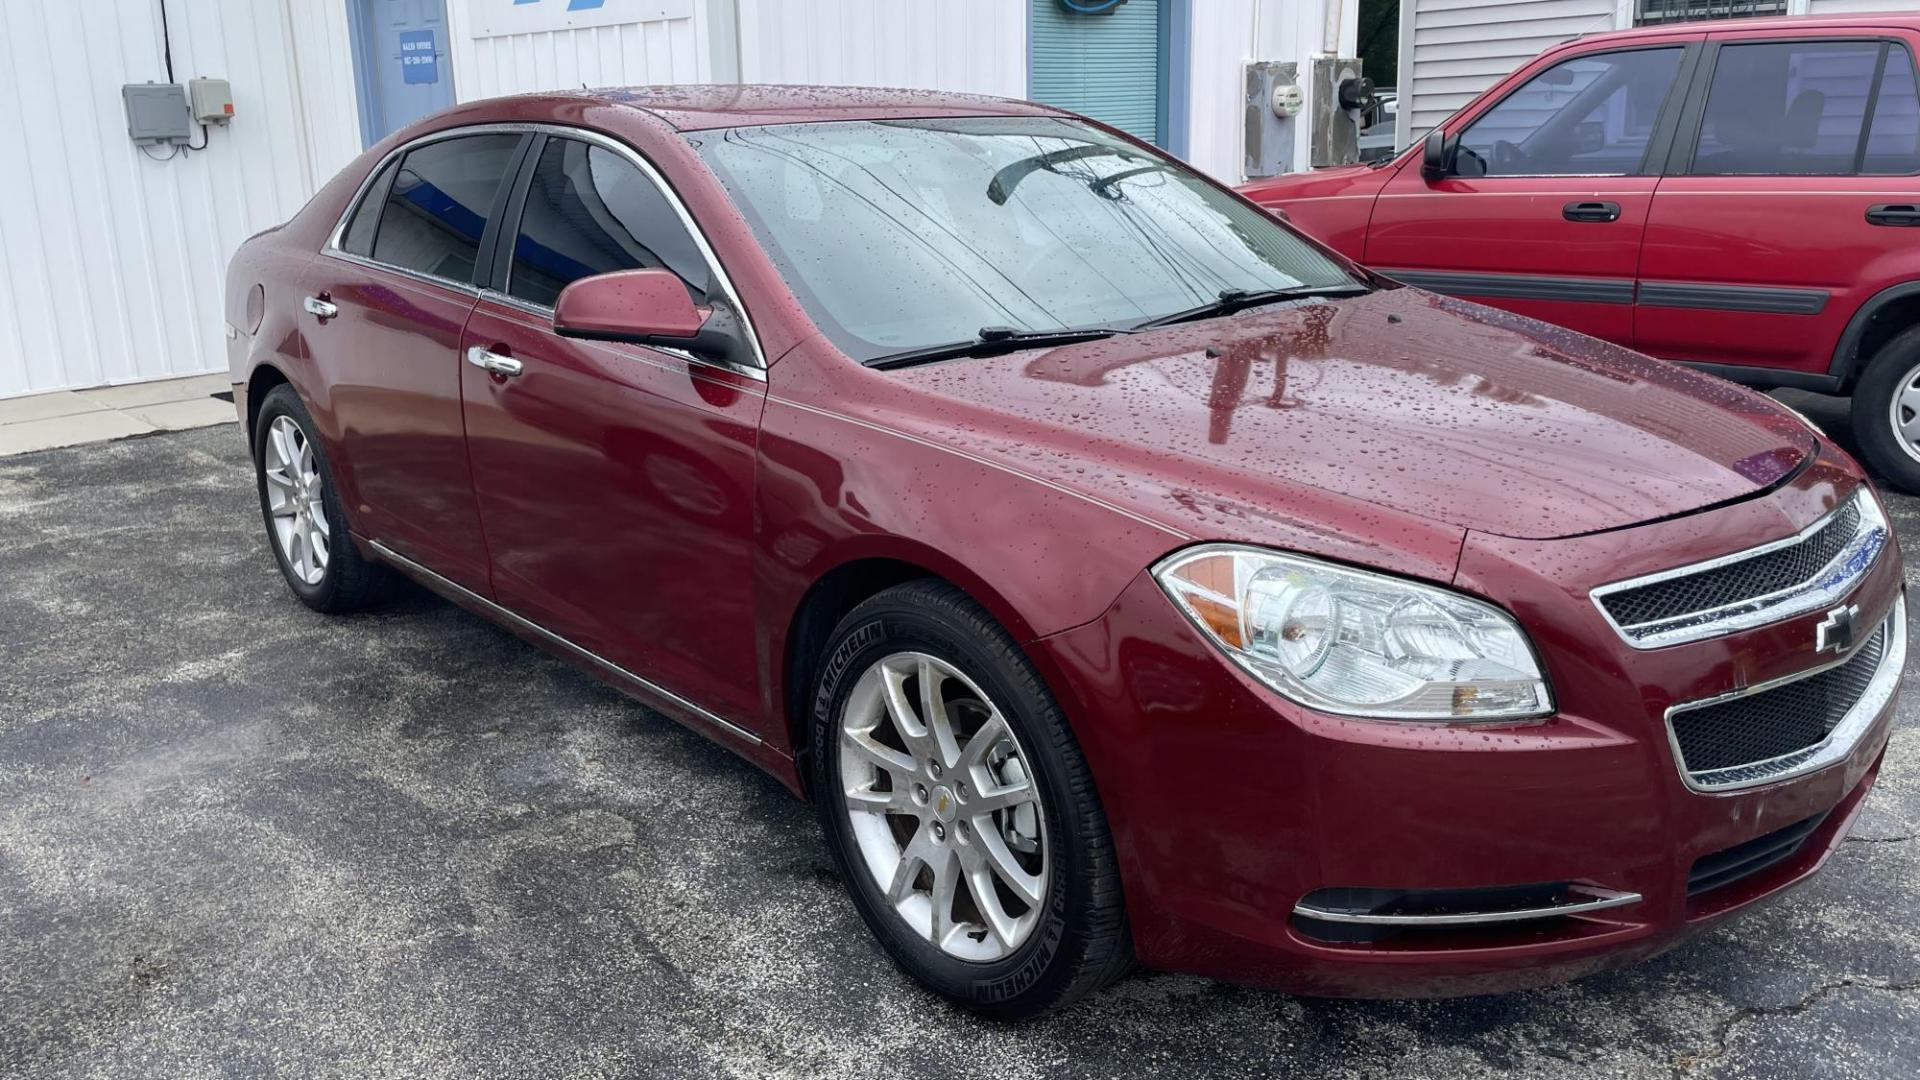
(1809,108)
(366,218)
(437,210)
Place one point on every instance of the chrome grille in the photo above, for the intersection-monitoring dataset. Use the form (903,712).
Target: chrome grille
(1779,569)
(1750,588)
(1793,725)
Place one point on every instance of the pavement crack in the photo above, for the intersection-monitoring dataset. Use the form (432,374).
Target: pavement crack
(1688,1064)
(1879,839)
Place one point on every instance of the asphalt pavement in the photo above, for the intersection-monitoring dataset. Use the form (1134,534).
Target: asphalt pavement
(238,839)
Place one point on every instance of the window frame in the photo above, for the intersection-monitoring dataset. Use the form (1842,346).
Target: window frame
(1686,142)
(378,179)
(500,277)
(378,188)
(1665,123)
(504,220)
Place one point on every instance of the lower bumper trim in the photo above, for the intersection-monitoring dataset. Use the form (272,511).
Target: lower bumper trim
(1380,907)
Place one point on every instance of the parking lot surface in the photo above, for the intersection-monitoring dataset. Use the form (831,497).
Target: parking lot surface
(238,838)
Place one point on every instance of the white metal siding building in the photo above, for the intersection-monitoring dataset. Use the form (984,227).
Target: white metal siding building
(1450,50)
(112,257)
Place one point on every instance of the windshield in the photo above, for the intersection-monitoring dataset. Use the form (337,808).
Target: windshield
(903,234)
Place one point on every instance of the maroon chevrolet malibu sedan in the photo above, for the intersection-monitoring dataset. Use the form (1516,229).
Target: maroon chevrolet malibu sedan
(1120,573)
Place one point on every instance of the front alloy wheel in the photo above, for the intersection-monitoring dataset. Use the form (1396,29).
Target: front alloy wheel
(959,809)
(943,806)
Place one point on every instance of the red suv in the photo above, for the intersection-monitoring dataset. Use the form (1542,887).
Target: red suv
(1119,572)
(1741,196)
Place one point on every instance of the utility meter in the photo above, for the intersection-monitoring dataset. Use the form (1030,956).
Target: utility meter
(1288,99)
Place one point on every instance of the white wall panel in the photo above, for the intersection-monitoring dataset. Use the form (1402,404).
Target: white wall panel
(1227,34)
(1451,50)
(975,47)
(112,263)
(322,54)
(1850,7)
(661,42)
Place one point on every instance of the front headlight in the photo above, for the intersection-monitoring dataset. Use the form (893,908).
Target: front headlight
(1360,644)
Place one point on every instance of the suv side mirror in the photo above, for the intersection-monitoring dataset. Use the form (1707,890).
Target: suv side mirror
(646,307)
(1436,162)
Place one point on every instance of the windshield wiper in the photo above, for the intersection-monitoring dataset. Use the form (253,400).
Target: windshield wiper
(992,341)
(1232,300)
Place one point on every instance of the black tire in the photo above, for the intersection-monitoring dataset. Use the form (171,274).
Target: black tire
(350,582)
(1886,374)
(1081,941)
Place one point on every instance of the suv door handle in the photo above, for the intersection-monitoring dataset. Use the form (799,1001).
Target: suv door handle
(1906,214)
(493,363)
(1591,211)
(319,306)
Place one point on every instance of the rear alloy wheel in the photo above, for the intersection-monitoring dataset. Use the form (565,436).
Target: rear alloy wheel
(294,500)
(960,812)
(301,506)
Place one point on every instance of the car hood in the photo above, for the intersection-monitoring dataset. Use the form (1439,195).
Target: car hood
(1417,404)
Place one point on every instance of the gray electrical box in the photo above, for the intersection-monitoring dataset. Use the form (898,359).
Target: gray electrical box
(157,113)
(1340,97)
(212,100)
(1273,101)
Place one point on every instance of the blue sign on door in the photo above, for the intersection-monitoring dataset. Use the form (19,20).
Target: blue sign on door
(419,61)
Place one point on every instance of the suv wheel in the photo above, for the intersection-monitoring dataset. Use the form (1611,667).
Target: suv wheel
(1886,411)
(301,505)
(958,808)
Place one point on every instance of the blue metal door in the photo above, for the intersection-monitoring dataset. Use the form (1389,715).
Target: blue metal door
(403,62)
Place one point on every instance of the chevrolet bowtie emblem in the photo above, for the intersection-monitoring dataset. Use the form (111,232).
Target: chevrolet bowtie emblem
(1835,632)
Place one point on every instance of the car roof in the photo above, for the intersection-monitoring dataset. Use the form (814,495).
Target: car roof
(701,107)
(1796,25)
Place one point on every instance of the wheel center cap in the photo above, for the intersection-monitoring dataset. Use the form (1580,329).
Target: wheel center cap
(944,806)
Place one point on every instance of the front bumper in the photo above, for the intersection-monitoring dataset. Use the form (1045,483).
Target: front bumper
(1230,805)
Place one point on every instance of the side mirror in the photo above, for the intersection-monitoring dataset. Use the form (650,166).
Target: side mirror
(1436,162)
(645,307)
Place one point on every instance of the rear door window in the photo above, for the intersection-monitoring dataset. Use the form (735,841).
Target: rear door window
(1809,108)
(436,212)
(1893,136)
(358,239)
(590,211)
(1588,116)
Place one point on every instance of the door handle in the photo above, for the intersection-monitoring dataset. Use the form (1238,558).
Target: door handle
(493,363)
(1906,214)
(319,306)
(1591,211)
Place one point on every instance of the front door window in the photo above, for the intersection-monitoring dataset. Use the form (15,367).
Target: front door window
(1589,116)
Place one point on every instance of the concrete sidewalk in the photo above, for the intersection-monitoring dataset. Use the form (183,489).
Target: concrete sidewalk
(71,417)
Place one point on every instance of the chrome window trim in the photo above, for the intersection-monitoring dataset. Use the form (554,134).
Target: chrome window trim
(1834,580)
(333,249)
(1839,742)
(421,276)
(647,687)
(1601,900)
